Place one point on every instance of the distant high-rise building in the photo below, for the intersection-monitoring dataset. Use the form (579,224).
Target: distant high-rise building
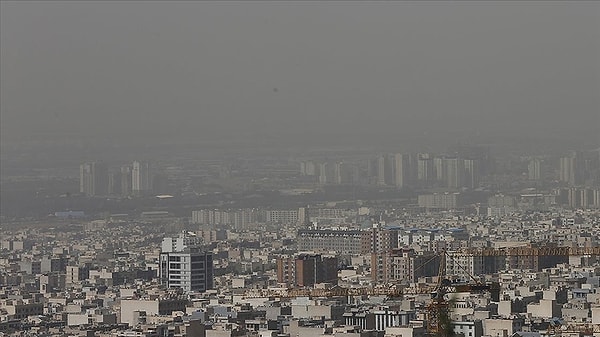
(308,168)
(455,169)
(472,173)
(86,180)
(534,171)
(402,170)
(338,171)
(567,170)
(381,172)
(413,162)
(439,169)
(425,171)
(385,170)
(323,173)
(303,216)
(571,169)
(93,179)
(372,171)
(114,183)
(141,177)
(126,180)
(183,264)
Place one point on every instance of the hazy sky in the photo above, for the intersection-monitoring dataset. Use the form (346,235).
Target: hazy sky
(320,71)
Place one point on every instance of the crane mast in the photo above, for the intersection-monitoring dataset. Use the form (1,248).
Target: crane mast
(439,322)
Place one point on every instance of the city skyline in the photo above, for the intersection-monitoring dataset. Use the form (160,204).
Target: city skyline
(299,168)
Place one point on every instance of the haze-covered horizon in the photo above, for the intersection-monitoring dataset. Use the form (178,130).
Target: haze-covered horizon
(294,72)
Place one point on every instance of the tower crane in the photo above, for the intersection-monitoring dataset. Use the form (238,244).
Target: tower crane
(437,314)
